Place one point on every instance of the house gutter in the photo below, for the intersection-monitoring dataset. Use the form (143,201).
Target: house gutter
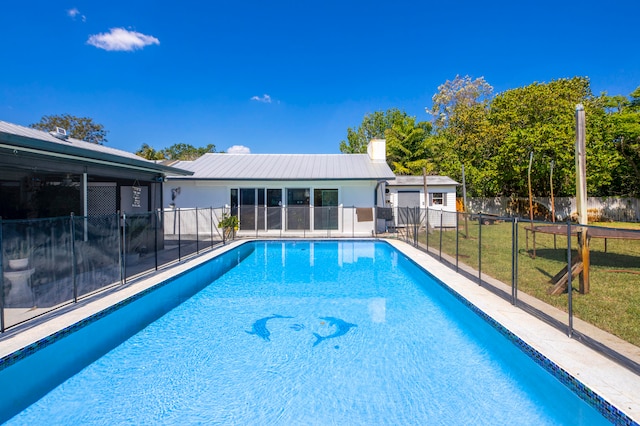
(128,165)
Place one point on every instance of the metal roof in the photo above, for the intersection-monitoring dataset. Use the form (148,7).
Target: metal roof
(419,181)
(42,143)
(219,166)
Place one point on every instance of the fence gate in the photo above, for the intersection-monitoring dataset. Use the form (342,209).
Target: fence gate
(407,202)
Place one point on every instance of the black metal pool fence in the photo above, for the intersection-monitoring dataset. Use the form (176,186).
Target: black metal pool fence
(527,263)
(51,263)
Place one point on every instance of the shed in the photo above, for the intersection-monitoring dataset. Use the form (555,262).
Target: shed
(407,192)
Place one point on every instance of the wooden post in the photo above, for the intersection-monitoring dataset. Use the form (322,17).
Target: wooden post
(581,199)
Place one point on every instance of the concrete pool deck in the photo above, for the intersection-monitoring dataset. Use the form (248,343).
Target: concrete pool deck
(614,383)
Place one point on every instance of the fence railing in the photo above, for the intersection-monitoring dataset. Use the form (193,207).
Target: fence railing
(50,263)
(527,263)
(54,262)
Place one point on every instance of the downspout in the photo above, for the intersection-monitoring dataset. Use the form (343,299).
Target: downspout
(375,204)
(375,193)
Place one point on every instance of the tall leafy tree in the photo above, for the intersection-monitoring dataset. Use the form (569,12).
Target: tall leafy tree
(623,121)
(407,140)
(408,148)
(459,93)
(148,152)
(463,134)
(540,118)
(183,151)
(373,126)
(82,128)
(178,151)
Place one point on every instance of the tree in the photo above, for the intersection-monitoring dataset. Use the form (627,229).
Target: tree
(540,118)
(461,92)
(182,151)
(408,150)
(146,151)
(463,134)
(179,151)
(82,128)
(373,126)
(407,141)
(623,123)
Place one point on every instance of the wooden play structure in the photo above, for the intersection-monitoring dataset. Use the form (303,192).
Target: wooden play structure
(580,266)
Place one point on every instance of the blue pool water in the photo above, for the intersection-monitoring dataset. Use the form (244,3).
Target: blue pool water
(346,332)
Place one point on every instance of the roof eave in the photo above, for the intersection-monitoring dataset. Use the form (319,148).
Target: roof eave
(44,148)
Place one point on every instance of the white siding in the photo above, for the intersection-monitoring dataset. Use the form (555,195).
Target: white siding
(351,193)
(449,192)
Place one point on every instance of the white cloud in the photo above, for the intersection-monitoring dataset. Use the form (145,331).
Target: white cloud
(264,99)
(121,40)
(74,13)
(238,149)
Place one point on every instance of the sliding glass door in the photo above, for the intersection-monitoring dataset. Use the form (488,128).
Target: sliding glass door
(325,212)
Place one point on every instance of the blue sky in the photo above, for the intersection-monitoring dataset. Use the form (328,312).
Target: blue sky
(290,76)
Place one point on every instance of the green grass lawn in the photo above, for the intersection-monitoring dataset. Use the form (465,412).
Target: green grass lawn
(613,303)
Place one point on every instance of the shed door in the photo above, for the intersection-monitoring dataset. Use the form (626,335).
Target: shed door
(408,207)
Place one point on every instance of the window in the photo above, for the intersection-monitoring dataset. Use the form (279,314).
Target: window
(438,199)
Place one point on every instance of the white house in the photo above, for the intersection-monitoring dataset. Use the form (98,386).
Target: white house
(408,192)
(288,194)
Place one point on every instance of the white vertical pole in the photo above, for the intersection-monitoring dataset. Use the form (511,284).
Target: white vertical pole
(581,166)
(581,199)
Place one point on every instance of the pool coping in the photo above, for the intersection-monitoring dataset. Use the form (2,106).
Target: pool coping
(606,385)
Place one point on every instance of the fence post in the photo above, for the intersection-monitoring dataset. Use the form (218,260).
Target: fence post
(1,279)
(224,237)
(197,233)
(480,249)
(179,235)
(457,238)
(569,283)
(427,230)
(73,259)
(440,254)
(514,261)
(416,226)
(156,231)
(211,224)
(353,219)
(123,246)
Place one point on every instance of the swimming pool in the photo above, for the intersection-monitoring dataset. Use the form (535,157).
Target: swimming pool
(346,332)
